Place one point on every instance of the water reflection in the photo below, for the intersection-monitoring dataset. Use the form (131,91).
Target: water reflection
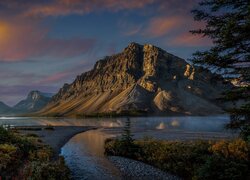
(84,154)
(187,123)
(161,126)
(175,123)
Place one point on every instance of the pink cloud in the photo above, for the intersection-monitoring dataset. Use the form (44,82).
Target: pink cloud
(55,77)
(160,26)
(23,40)
(188,39)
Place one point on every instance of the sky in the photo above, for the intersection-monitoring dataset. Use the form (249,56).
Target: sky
(46,43)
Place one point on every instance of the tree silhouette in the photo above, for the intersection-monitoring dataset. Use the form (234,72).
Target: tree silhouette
(228,25)
(127,137)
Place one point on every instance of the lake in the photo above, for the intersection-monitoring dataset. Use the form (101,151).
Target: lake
(186,123)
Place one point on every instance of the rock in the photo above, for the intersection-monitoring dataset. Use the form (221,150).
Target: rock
(132,169)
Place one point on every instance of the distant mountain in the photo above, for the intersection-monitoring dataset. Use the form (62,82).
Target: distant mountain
(35,101)
(4,109)
(143,79)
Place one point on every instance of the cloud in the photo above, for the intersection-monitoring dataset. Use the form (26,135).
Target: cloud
(21,40)
(41,8)
(160,26)
(190,40)
(55,78)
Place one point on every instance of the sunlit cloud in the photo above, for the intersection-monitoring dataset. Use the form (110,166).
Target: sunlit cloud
(160,26)
(190,40)
(55,77)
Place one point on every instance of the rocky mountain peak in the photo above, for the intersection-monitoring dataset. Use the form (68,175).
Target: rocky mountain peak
(34,95)
(34,101)
(141,77)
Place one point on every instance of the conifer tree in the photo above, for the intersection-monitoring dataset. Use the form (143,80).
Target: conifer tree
(228,26)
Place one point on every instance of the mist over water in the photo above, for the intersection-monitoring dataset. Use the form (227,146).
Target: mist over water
(184,123)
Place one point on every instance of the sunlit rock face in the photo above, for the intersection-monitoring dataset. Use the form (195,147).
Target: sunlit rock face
(141,78)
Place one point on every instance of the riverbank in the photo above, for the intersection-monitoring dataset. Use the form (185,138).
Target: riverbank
(55,136)
(132,169)
(199,159)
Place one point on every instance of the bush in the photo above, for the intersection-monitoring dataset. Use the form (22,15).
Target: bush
(236,149)
(37,170)
(19,151)
(190,160)
(8,156)
(119,148)
(5,136)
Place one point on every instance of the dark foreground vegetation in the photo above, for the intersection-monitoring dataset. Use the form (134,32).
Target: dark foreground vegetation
(227,25)
(26,157)
(201,159)
(190,160)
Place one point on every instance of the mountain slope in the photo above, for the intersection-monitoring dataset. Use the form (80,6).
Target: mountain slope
(4,109)
(35,101)
(141,78)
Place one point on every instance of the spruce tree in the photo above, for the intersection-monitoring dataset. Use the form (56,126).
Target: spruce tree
(127,136)
(227,24)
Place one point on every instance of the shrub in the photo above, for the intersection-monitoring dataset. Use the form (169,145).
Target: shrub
(37,170)
(191,160)
(19,151)
(237,149)
(5,136)
(8,155)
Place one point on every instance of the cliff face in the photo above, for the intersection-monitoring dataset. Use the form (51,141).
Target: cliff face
(141,78)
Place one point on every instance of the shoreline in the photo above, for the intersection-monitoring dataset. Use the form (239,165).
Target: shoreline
(57,137)
(115,116)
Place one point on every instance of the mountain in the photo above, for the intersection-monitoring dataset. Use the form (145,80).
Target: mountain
(4,109)
(142,79)
(35,101)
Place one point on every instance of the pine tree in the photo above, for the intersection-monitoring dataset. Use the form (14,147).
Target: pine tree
(228,26)
(127,136)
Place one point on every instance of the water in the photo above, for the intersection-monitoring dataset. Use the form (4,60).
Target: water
(185,123)
(84,153)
